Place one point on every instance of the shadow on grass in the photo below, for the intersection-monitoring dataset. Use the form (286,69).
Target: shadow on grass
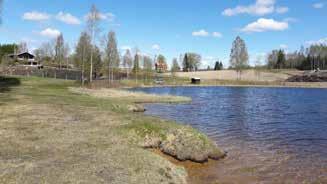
(7,82)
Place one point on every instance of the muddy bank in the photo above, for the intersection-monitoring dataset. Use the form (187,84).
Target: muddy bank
(318,76)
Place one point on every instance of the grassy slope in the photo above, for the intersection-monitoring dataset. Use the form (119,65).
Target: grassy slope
(51,135)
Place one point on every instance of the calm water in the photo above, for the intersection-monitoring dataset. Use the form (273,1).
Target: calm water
(271,134)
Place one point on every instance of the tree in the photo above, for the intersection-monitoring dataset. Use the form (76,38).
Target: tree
(7,49)
(281,59)
(82,51)
(112,55)
(174,68)
(218,65)
(186,64)
(128,61)
(161,64)
(97,62)
(46,52)
(191,62)
(239,56)
(136,67)
(272,59)
(59,50)
(147,67)
(22,47)
(93,19)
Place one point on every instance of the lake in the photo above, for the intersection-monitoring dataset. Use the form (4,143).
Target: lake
(272,135)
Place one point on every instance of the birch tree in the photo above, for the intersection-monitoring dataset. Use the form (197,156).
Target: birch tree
(128,61)
(112,55)
(147,67)
(22,47)
(59,50)
(93,20)
(82,51)
(174,68)
(239,57)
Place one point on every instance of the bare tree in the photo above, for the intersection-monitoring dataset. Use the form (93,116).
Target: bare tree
(112,55)
(239,57)
(147,67)
(22,47)
(59,50)
(128,61)
(93,19)
(174,68)
(191,62)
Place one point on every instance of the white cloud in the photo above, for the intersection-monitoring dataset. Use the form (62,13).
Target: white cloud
(156,47)
(68,18)
(322,41)
(202,33)
(36,16)
(51,33)
(283,46)
(103,16)
(318,5)
(262,25)
(282,10)
(217,34)
(260,7)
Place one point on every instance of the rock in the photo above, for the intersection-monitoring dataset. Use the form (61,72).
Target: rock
(185,144)
(136,108)
(151,142)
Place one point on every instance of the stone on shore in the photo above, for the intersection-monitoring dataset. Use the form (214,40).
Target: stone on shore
(186,144)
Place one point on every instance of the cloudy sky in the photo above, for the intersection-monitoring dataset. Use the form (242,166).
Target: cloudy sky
(171,27)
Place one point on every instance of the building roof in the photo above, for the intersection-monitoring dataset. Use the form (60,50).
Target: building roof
(23,55)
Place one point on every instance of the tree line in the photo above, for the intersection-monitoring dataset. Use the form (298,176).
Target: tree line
(312,58)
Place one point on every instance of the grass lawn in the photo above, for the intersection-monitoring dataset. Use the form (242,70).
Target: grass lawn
(49,134)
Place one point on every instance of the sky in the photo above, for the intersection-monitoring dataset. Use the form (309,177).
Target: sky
(173,27)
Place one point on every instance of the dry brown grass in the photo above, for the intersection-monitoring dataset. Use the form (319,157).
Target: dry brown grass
(247,75)
(49,135)
(137,97)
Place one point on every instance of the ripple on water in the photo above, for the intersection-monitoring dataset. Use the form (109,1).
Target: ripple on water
(272,135)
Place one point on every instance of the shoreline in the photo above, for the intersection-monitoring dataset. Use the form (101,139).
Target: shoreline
(312,85)
(101,128)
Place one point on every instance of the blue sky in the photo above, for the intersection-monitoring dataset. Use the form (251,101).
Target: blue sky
(172,27)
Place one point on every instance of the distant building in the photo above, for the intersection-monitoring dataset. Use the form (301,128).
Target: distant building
(161,67)
(24,58)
